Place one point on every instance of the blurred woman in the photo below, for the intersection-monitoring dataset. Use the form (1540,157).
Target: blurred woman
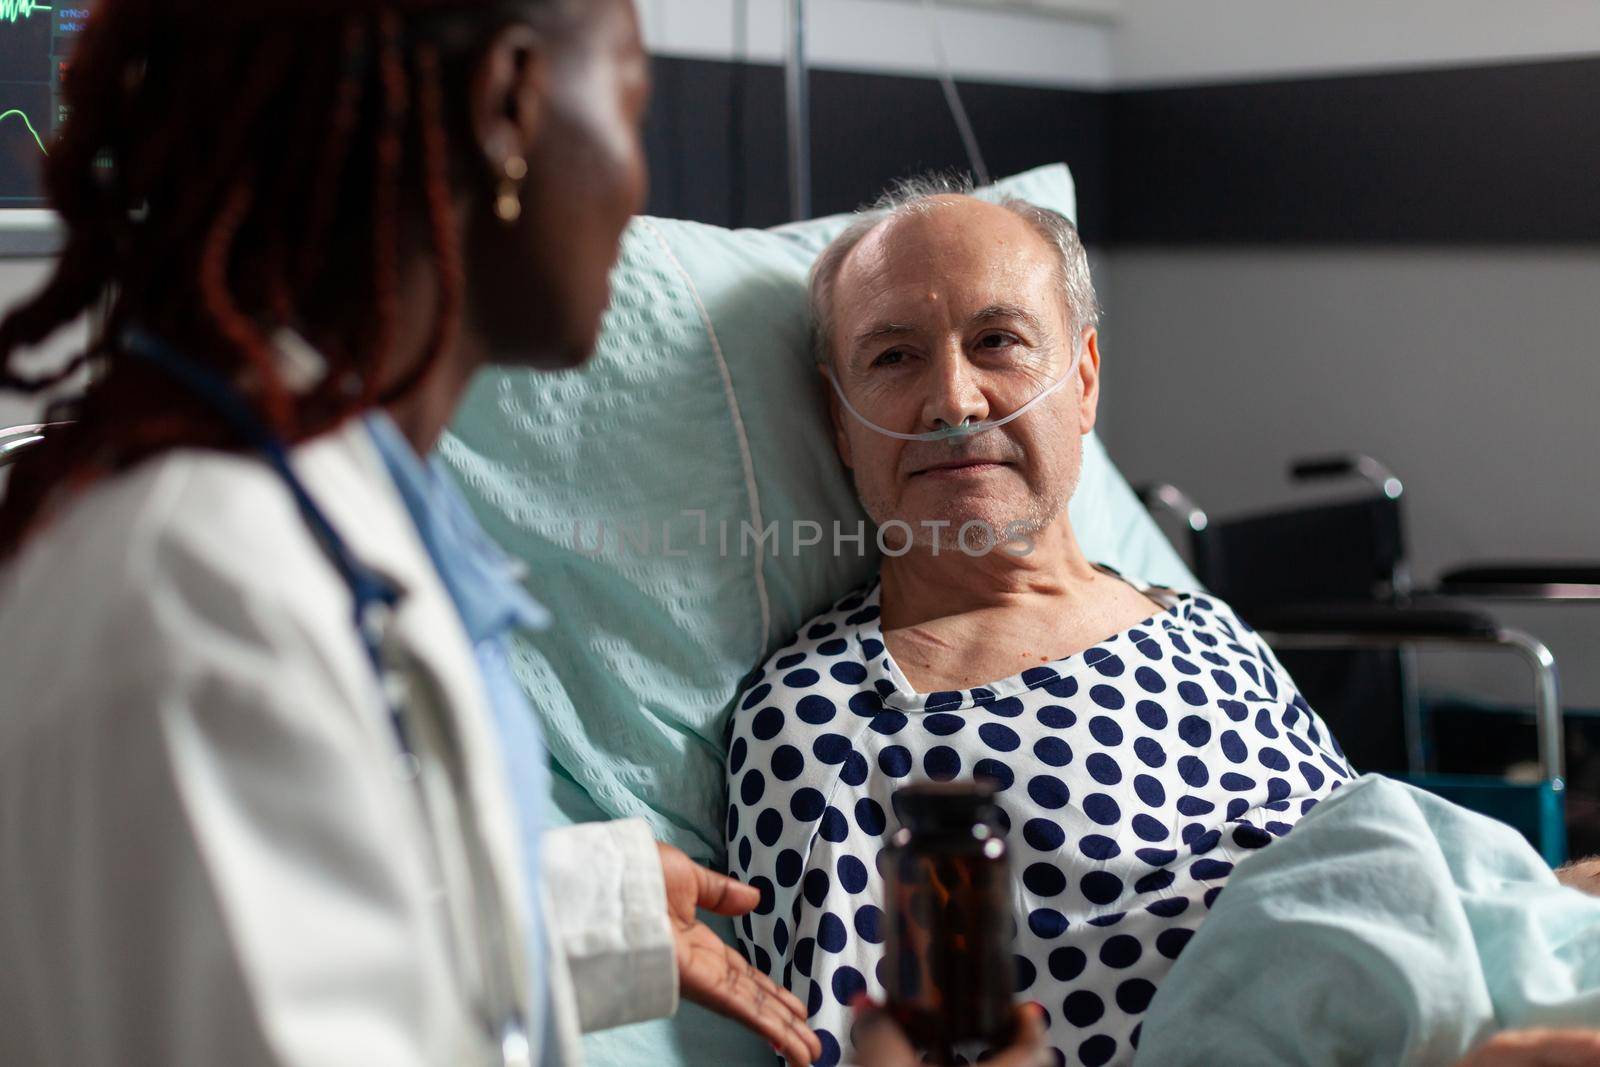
(269,792)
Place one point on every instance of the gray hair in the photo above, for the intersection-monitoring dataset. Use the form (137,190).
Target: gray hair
(914,195)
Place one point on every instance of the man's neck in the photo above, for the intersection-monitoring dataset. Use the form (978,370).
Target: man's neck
(921,586)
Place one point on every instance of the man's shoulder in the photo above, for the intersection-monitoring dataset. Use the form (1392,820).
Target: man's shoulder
(833,638)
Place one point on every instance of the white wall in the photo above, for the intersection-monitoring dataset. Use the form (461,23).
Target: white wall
(1168,41)
(1018,46)
(1474,374)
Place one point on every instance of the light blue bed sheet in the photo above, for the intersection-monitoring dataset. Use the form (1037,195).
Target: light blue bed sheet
(1390,927)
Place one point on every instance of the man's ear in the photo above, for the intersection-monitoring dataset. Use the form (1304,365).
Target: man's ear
(1089,376)
(836,414)
(509,95)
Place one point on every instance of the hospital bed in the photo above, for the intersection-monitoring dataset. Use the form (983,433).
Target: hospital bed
(1328,585)
(627,489)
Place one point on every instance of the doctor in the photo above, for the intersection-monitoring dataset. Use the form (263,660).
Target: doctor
(269,793)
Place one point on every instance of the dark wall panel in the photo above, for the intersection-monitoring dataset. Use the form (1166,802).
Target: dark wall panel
(718,151)
(1485,155)
(1506,154)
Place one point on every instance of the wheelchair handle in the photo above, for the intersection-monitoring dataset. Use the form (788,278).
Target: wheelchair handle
(1320,468)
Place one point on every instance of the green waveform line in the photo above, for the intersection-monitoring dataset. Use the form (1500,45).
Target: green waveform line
(17,10)
(26,122)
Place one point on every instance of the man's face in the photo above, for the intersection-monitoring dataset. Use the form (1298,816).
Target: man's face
(950,314)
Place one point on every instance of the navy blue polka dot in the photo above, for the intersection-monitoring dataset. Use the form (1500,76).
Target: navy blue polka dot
(769,827)
(1192,694)
(895,761)
(852,874)
(1067,963)
(999,737)
(1105,730)
(1150,753)
(1150,680)
(1100,887)
(855,770)
(1195,730)
(941,763)
(1151,714)
(1009,708)
(1083,1008)
(1103,769)
(1047,923)
(807,804)
(789,866)
(1097,1051)
(801,679)
(831,934)
(1233,747)
(1154,882)
(1044,879)
(833,826)
(1168,908)
(1053,751)
(866,703)
(888,723)
(1149,829)
(1120,951)
(943,725)
(1043,835)
(869,924)
(848,673)
(870,817)
(1025,973)
(766,724)
(814,709)
(1193,771)
(755,696)
(737,755)
(1048,791)
(751,788)
(1149,790)
(1314,778)
(1101,808)
(994,772)
(1099,847)
(1272,759)
(1171,942)
(1194,807)
(1056,717)
(1134,995)
(1108,697)
(787,763)
(1236,783)
(831,748)
(1264,724)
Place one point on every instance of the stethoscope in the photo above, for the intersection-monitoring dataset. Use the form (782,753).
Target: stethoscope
(375,599)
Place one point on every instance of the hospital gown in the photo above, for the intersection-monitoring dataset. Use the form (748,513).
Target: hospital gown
(1132,776)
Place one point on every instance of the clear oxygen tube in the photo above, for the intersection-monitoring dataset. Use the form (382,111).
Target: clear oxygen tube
(964,429)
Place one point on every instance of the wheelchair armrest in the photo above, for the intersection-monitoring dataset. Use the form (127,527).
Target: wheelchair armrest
(1524,581)
(1400,622)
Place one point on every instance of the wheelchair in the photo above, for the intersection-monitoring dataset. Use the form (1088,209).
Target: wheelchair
(1328,587)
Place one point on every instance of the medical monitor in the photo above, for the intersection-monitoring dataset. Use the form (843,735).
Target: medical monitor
(36,40)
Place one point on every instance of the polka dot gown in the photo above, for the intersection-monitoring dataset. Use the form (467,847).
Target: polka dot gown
(1132,777)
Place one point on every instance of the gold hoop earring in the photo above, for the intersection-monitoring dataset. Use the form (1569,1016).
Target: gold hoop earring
(508,201)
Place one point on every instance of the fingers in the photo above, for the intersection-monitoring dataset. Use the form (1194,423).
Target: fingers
(1537,1048)
(1029,1049)
(718,978)
(879,1042)
(723,895)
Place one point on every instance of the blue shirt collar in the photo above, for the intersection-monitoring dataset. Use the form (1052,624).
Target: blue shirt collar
(484,583)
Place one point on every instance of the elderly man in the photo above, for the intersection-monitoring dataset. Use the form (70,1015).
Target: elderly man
(1142,741)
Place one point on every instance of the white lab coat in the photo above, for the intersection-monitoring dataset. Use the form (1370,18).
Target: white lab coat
(206,854)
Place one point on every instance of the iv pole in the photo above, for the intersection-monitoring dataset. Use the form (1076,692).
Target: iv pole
(798,106)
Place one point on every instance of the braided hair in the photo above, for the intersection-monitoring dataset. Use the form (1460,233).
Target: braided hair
(228,169)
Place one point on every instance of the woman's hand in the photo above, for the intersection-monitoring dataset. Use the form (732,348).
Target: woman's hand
(1537,1048)
(713,974)
(880,1043)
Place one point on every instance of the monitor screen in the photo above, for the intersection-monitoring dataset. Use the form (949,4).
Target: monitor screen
(36,40)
